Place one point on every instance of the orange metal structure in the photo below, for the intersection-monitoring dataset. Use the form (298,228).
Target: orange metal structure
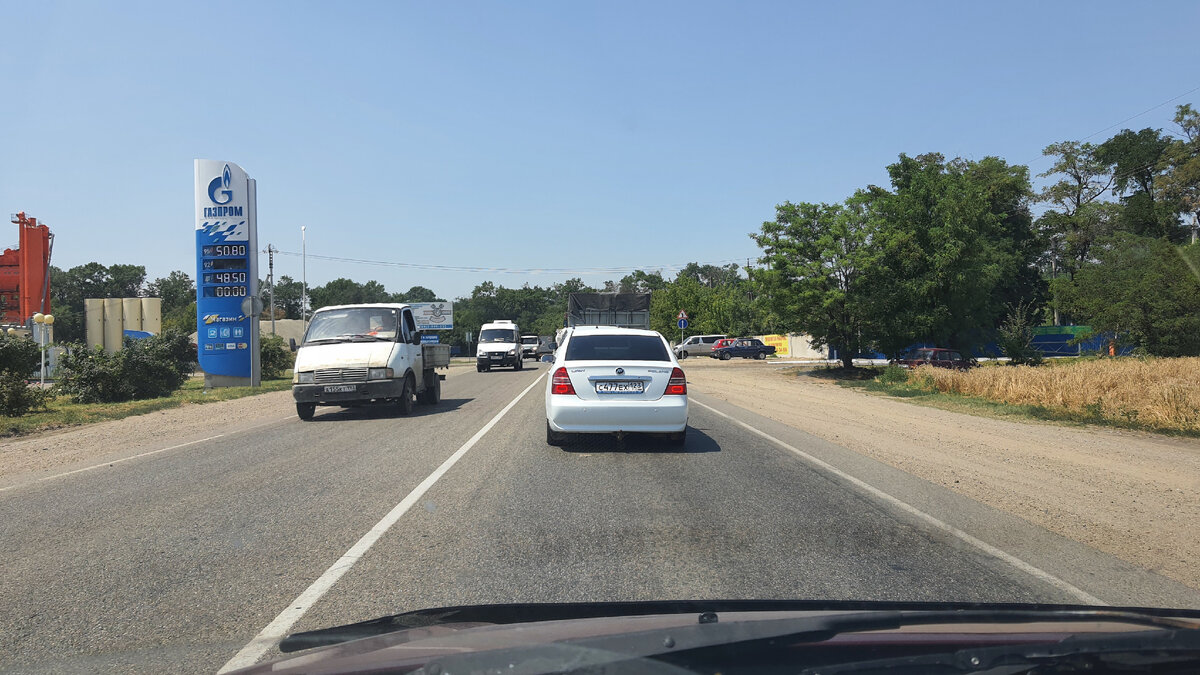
(25,272)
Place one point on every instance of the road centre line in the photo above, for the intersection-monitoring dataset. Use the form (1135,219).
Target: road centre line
(278,628)
(1038,573)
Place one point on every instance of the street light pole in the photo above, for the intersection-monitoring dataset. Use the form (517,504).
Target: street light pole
(304,275)
(44,321)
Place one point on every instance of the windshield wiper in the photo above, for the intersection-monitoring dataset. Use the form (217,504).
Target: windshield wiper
(349,337)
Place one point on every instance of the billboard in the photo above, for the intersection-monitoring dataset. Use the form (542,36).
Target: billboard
(433,315)
(226,270)
(779,342)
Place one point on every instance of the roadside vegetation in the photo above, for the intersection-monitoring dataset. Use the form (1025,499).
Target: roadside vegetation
(62,412)
(1152,394)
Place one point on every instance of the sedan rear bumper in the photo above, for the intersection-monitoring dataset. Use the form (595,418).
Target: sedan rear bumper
(571,414)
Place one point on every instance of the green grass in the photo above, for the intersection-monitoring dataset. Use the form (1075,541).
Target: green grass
(62,413)
(973,405)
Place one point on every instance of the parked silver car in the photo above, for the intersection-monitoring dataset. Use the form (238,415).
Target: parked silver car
(696,345)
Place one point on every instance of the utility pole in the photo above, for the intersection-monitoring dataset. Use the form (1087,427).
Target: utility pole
(271,277)
(304,276)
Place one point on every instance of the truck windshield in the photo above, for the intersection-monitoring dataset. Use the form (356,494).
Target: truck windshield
(529,341)
(497,335)
(352,324)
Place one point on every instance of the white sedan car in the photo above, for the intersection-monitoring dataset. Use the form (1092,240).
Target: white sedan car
(607,380)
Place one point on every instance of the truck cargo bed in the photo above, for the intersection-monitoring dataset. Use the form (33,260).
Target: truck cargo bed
(436,356)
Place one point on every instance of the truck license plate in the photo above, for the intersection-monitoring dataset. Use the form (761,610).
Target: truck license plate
(620,387)
(339,388)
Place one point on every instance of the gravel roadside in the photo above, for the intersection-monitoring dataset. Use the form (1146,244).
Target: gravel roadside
(1133,495)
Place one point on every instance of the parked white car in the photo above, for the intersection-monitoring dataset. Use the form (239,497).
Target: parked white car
(608,380)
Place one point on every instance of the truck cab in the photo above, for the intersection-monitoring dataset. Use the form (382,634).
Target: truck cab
(356,355)
(499,345)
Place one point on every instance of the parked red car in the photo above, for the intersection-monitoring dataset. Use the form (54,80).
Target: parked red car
(938,358)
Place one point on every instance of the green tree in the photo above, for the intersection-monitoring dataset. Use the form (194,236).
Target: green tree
(954,246)
(816,256)
(1137,160)
(346,292)
(1143,290)
(417,294)
(1180,183)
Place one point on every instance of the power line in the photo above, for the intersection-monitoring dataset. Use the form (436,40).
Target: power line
(499,270)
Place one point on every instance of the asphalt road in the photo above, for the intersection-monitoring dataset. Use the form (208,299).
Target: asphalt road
(179,560)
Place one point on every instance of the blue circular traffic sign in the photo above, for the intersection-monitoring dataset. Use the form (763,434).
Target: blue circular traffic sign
(682,324)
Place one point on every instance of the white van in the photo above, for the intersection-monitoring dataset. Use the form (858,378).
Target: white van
(696,345)
(499,345)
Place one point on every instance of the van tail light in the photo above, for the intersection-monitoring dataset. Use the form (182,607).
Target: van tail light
(560,383)
(678,383)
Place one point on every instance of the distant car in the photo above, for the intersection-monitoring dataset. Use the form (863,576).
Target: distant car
(746,348)
(723,342)
(545,346)
(696,345)
(938,358)
(608,380)
(529,346)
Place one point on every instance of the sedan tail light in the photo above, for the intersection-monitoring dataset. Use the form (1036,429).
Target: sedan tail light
(560,383)
(678,383)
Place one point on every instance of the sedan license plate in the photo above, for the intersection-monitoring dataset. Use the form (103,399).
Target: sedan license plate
(339,388)
(612,387)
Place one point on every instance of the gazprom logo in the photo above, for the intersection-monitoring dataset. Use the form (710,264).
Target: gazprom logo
(215,187)
(220,191)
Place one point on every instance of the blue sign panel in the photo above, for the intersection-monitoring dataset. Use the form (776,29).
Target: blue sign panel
(429,338)
(682,323)
(226,269)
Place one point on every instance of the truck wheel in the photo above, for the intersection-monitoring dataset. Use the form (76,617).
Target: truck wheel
(306,410)
(725,356)
(553,437)
(478,368)
(433,390)
(405,404)
(519,364)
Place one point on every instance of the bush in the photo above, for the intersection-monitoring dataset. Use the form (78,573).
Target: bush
(1016,336)
(893,374)
(17,397)
(274,357)
(149,368)
(19,354)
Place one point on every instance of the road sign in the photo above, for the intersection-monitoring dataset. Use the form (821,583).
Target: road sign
(682,316)
(682,324)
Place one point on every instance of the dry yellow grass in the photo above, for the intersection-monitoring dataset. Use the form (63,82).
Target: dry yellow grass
(1154,393)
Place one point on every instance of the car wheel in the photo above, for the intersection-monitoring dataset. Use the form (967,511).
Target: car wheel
(405,405)
(725,356)
(683,355)
(478,368)
(306,410)
(678,439)
(553,437)
(760,356)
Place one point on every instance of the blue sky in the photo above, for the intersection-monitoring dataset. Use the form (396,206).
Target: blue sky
(538,135)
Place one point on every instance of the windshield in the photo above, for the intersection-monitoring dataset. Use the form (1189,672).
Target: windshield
(616,348)
(352,324)
(497,335)
(264,268)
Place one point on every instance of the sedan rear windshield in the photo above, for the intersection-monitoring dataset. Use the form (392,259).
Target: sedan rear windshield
(616,348)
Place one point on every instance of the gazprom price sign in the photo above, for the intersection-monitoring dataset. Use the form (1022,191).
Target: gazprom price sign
(226,269)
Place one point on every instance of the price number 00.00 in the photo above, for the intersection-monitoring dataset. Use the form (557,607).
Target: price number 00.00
(225,292)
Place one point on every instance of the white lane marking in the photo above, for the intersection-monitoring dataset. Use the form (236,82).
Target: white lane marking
(1035,572)
(277,629)
(101,465)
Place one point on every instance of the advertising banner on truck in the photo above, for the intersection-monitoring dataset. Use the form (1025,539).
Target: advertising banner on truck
(433,315)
